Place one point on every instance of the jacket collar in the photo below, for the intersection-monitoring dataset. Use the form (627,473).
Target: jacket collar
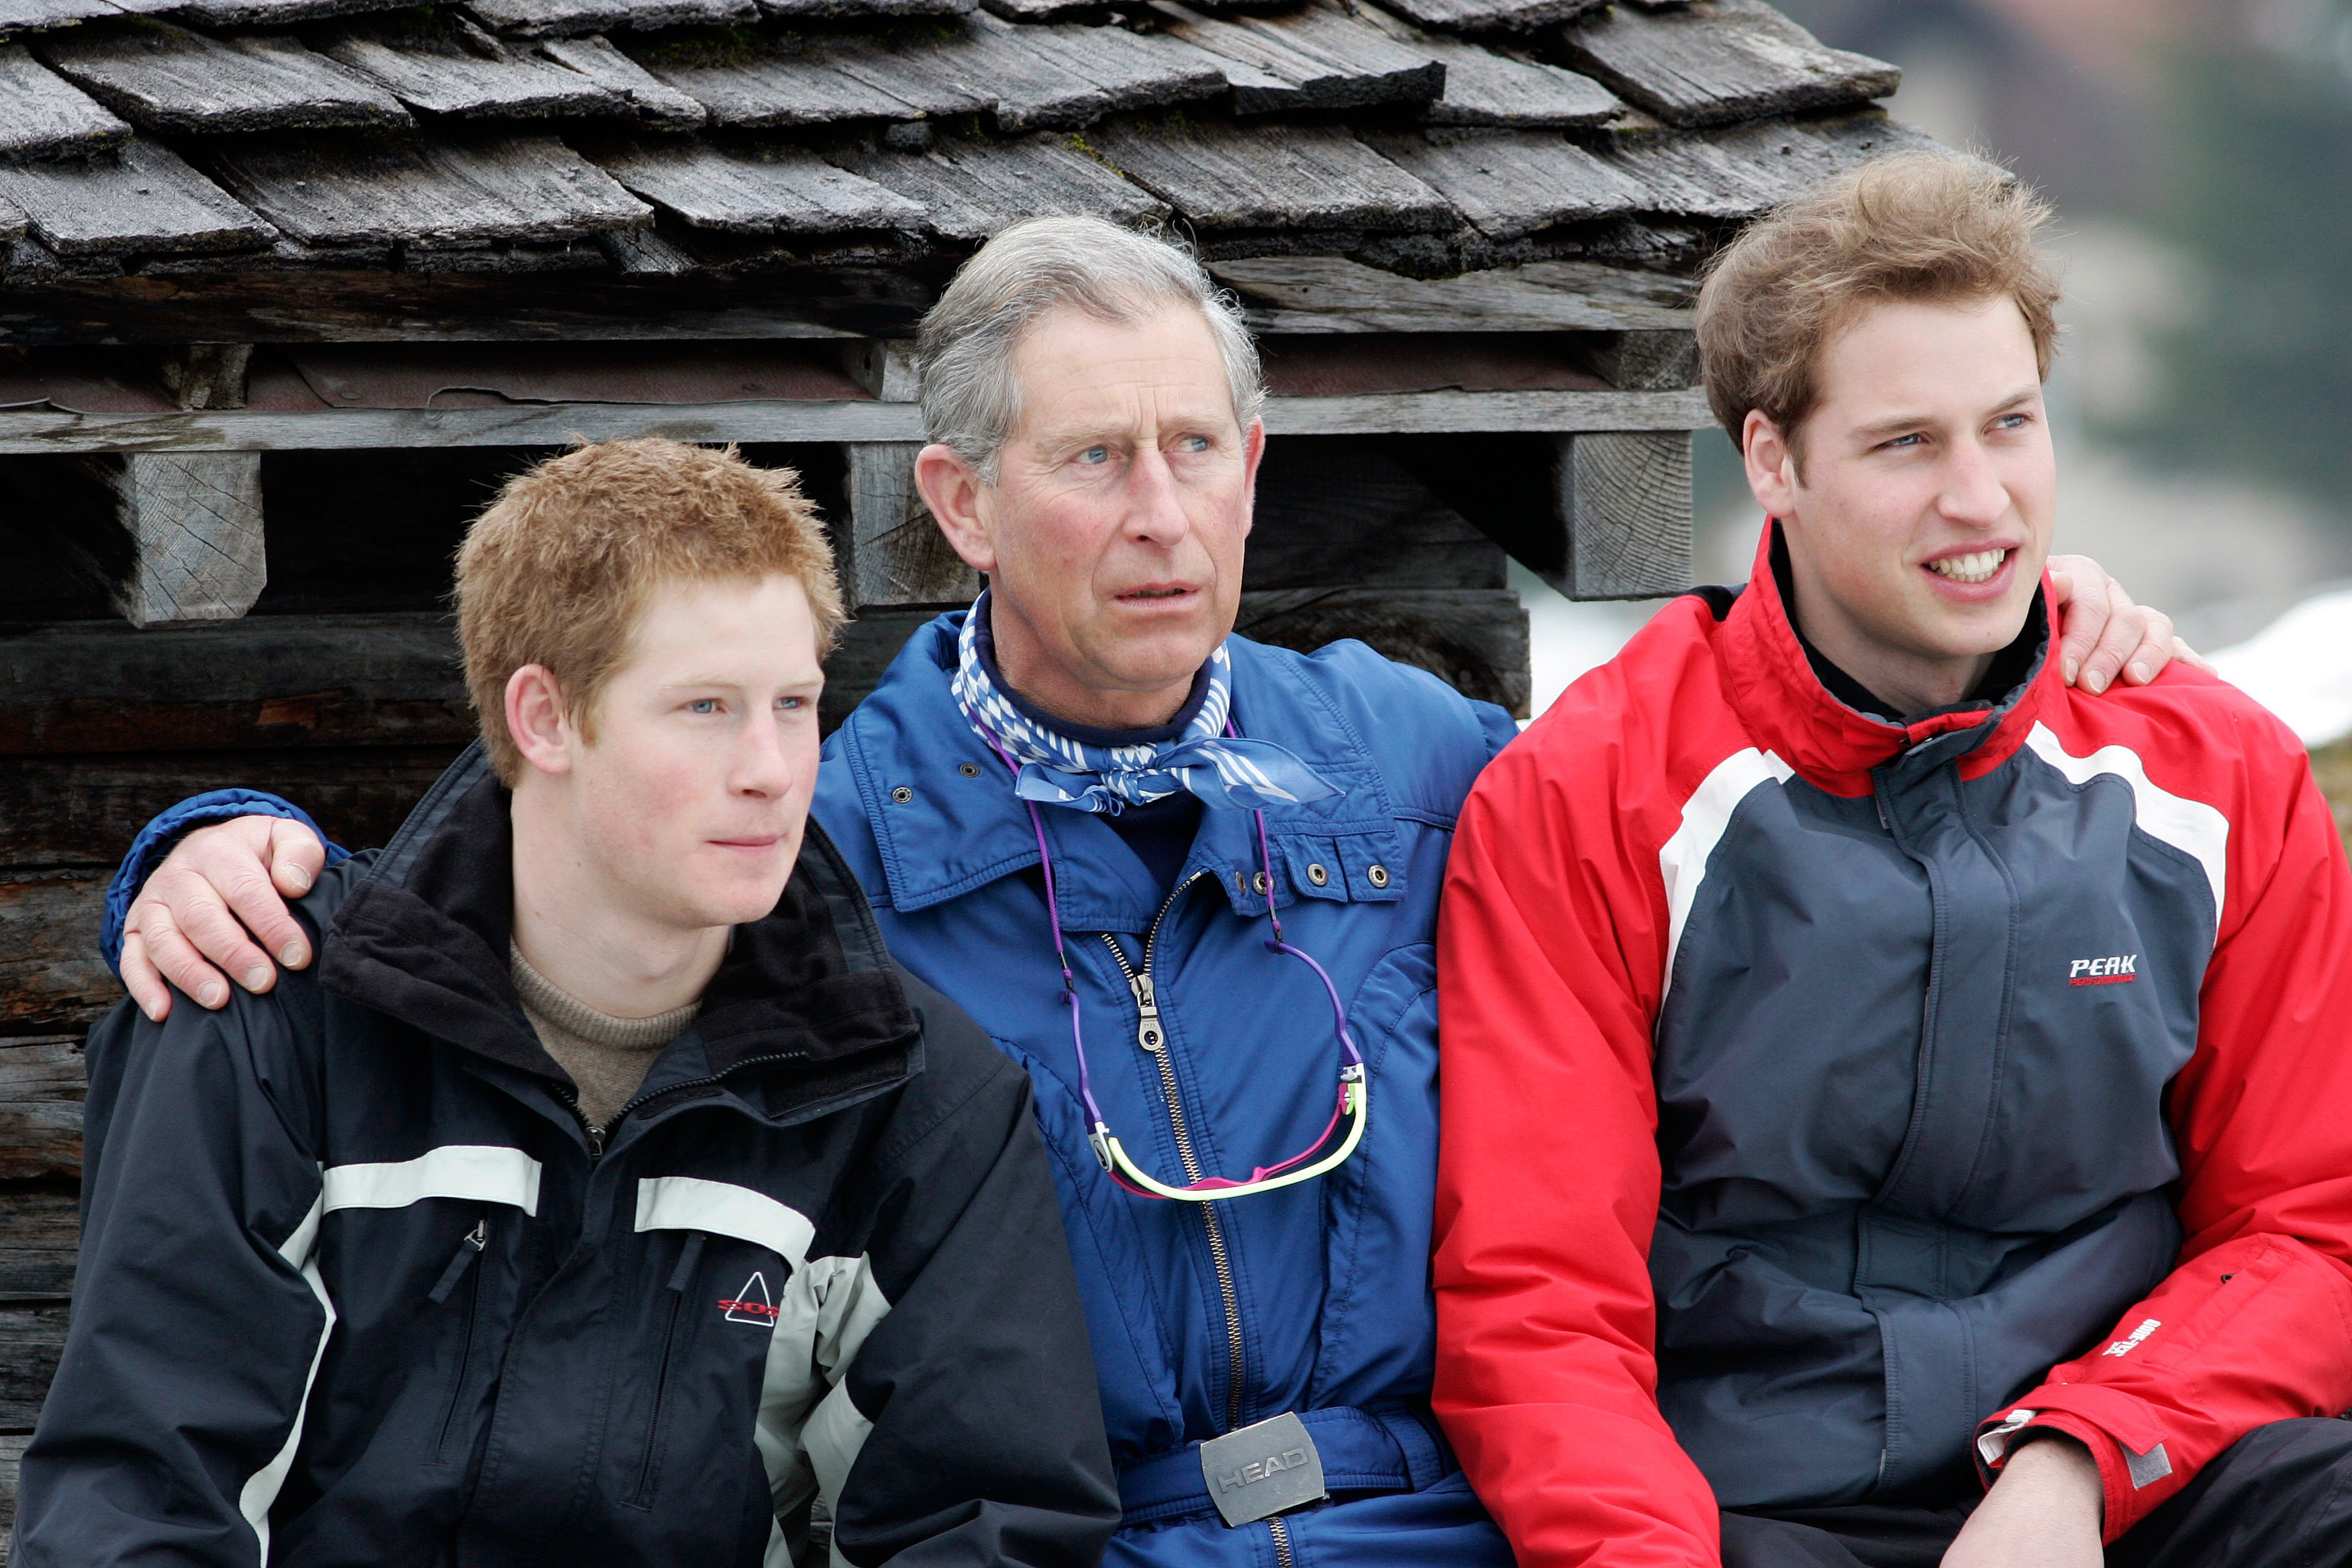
(946,822)
(1785,707)
(422,936)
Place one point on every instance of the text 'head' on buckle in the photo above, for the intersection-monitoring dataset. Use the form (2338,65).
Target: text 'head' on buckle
(1263,1470)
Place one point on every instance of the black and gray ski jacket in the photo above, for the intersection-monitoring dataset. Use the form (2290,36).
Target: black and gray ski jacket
(357,1286)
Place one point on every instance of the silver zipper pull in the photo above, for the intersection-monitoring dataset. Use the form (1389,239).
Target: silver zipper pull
(1147,1013)
(481,1235)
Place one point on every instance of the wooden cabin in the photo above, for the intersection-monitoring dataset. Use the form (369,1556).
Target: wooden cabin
(287,286)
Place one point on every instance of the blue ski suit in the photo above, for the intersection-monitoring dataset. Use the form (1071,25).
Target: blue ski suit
(1205,1318)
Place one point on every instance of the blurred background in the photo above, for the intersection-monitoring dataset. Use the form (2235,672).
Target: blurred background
(2196,151)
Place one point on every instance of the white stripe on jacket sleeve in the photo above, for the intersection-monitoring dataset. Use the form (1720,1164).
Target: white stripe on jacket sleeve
(260,1490)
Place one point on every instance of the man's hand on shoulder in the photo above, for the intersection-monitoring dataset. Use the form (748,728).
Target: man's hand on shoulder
(2044,1512)
(2103,634)
(223,890)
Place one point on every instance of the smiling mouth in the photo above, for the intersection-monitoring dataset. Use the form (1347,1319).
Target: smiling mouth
(1980,566)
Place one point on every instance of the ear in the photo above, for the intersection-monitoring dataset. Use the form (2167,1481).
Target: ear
(953,489)
(1253,453)
(536,720)
(1770,464)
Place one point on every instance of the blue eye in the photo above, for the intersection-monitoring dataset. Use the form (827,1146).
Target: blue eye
(792,704)
(1094,454)
(1195,443)
(703,705)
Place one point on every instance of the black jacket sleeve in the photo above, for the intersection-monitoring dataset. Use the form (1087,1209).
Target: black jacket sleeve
(196,1329)
(972,1417)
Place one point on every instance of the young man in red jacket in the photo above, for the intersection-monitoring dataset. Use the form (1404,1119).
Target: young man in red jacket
(1872,1070)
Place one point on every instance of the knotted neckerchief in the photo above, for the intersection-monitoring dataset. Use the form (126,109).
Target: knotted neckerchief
(1225,771)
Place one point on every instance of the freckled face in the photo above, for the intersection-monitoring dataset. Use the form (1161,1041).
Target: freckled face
(692,796)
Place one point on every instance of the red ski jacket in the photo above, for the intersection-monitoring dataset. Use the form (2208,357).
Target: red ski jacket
(1827,1097)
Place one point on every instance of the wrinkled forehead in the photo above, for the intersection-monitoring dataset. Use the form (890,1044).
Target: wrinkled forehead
(1075,370)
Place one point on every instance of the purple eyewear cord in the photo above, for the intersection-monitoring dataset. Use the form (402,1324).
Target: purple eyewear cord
(1100,1125)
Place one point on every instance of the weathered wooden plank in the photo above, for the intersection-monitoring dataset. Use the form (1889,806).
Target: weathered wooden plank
(1511,182)
(1748,169)
(261,13)
(1626,502)
(764,81)
(1291,177)
(266,683)
(32,1337)
(1647,361)
(47,118)
(40,1235)
(1332,294)
(437,60)
(12,1454)
(51,974)
(970,189)
(654,101)
(555,424)
(1714,62)
(903,69)
(825,10)
(1600,516)
(332,188)
(1134,70)
(147,201)
(172,537)
(1029,90)
(775,189)
(1475,640)
(1318,57)
(892,552)
(36,15)
(1492,15)
(41,1090)
(1488,86)
(84,810)
(571,19)
(172,79)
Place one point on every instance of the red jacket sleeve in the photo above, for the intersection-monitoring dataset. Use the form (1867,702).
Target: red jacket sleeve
(2254,1324)
(1550,946)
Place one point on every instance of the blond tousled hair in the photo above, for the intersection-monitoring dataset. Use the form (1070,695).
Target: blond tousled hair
(558,568)
(1920,228)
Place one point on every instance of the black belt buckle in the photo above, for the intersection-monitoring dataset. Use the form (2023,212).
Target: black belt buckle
(1263,1470)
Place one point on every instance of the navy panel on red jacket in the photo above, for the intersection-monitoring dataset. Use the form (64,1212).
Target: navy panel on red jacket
(1821,1089)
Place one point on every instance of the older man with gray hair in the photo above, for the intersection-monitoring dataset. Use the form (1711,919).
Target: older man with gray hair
(1188,881)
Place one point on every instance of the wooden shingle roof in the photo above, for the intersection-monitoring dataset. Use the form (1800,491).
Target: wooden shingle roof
(235,145)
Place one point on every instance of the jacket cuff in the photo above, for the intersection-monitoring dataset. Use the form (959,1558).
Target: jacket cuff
(156,839)
(2135,1472)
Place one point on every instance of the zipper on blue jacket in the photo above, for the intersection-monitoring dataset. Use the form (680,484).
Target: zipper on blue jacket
(1153,1036)
(470,1252)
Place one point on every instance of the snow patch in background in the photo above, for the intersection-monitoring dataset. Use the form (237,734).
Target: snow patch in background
(2300,667)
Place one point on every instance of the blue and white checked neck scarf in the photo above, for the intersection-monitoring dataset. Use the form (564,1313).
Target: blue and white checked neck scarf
(1224,770)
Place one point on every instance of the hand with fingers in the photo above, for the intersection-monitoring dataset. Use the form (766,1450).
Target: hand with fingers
(2103,634)
(221,896)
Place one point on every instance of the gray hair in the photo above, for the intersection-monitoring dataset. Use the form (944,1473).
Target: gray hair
(964,351)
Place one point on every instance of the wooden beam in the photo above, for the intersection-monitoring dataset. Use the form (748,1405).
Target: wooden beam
(554,424)
(41,1090)
(40,1231)
(1598,516)
(891,552)
(174,537)
(51,974)
(1625,502)
(32,1337)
